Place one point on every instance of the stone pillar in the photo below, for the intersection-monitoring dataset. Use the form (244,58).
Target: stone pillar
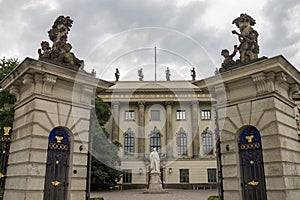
(115,125)
(261,95)
(169,130)
(48,96)
(195,128)
(141,135)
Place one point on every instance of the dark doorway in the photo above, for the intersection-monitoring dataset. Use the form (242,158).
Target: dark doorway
(252,165)
(56,181)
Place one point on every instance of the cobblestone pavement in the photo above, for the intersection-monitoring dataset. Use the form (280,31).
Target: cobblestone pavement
(172,194)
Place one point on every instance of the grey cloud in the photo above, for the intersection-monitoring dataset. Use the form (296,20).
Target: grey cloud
(26,25)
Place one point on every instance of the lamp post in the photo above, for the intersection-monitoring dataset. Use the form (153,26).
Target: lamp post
(147,164)
(219,161)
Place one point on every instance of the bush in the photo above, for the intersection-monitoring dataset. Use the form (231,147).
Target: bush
(213,198)
(97,198)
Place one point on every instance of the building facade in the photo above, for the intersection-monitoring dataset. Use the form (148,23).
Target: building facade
(176,118)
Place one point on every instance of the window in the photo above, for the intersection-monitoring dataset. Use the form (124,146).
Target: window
(155,115)
(129,142)
(180,115)
(127,176)
(206,114)
(129,115)
(155,140)
(207,142)
(181,143)
(184,176)
(212,175)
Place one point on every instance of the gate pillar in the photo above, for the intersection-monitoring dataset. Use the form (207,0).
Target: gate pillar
(259,94)
(48,96)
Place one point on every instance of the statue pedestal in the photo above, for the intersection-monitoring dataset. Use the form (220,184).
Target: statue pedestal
(155,185)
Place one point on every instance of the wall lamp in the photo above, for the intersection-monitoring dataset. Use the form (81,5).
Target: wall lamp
(170,170)
(227,147)
(140,171)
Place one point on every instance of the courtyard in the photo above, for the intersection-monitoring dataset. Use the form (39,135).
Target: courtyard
(172,194)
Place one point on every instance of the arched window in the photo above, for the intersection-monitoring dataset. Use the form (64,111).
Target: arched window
(207,141)
(155,140)
(129,142)
(181,142)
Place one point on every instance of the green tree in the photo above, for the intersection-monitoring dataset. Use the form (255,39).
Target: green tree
(105,159)
(6,99)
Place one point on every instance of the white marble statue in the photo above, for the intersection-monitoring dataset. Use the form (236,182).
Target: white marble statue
(154,161)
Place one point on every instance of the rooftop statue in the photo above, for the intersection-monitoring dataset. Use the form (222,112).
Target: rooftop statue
(193,74)
(117,74)
(248,47)
(60,51)
(168,74)
(141,75)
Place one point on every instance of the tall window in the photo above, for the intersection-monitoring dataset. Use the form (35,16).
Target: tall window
(180,115)
(184,176)
(181,142)
(155,140)
(212,175)
(155,115)
(206,114)
(129,115)
(129,142)
(207,142)
(127,176)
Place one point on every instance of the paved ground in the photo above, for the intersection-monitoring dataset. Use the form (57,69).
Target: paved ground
(172,194)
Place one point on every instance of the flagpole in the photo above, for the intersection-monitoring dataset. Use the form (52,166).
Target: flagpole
(155,61)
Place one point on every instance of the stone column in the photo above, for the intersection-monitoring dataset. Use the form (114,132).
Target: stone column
(115,126)
(169,130)
(195,128)
(261,95)
(141,135)
(48,96)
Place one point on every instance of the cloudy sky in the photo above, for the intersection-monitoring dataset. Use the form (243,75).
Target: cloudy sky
(111,34)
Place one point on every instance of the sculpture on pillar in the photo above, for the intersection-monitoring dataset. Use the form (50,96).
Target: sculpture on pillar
(228,59)
(60,52)
(154,161)
(117,74)
(193,74)
(168,74)
(141,75)
(155,184)
(248,47)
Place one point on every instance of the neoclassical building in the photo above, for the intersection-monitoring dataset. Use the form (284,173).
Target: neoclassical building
(176,118)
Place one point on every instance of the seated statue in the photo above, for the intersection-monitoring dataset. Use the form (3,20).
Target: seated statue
(228,59)
(45,51)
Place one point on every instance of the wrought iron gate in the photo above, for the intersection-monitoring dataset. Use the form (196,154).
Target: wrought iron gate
(4,153)
(252,166)
(56,181)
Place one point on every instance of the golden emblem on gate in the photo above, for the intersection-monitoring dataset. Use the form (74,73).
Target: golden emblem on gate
(2,175)
(249,138)
(55,183)
(253,183)
(59,139)
(6,130)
